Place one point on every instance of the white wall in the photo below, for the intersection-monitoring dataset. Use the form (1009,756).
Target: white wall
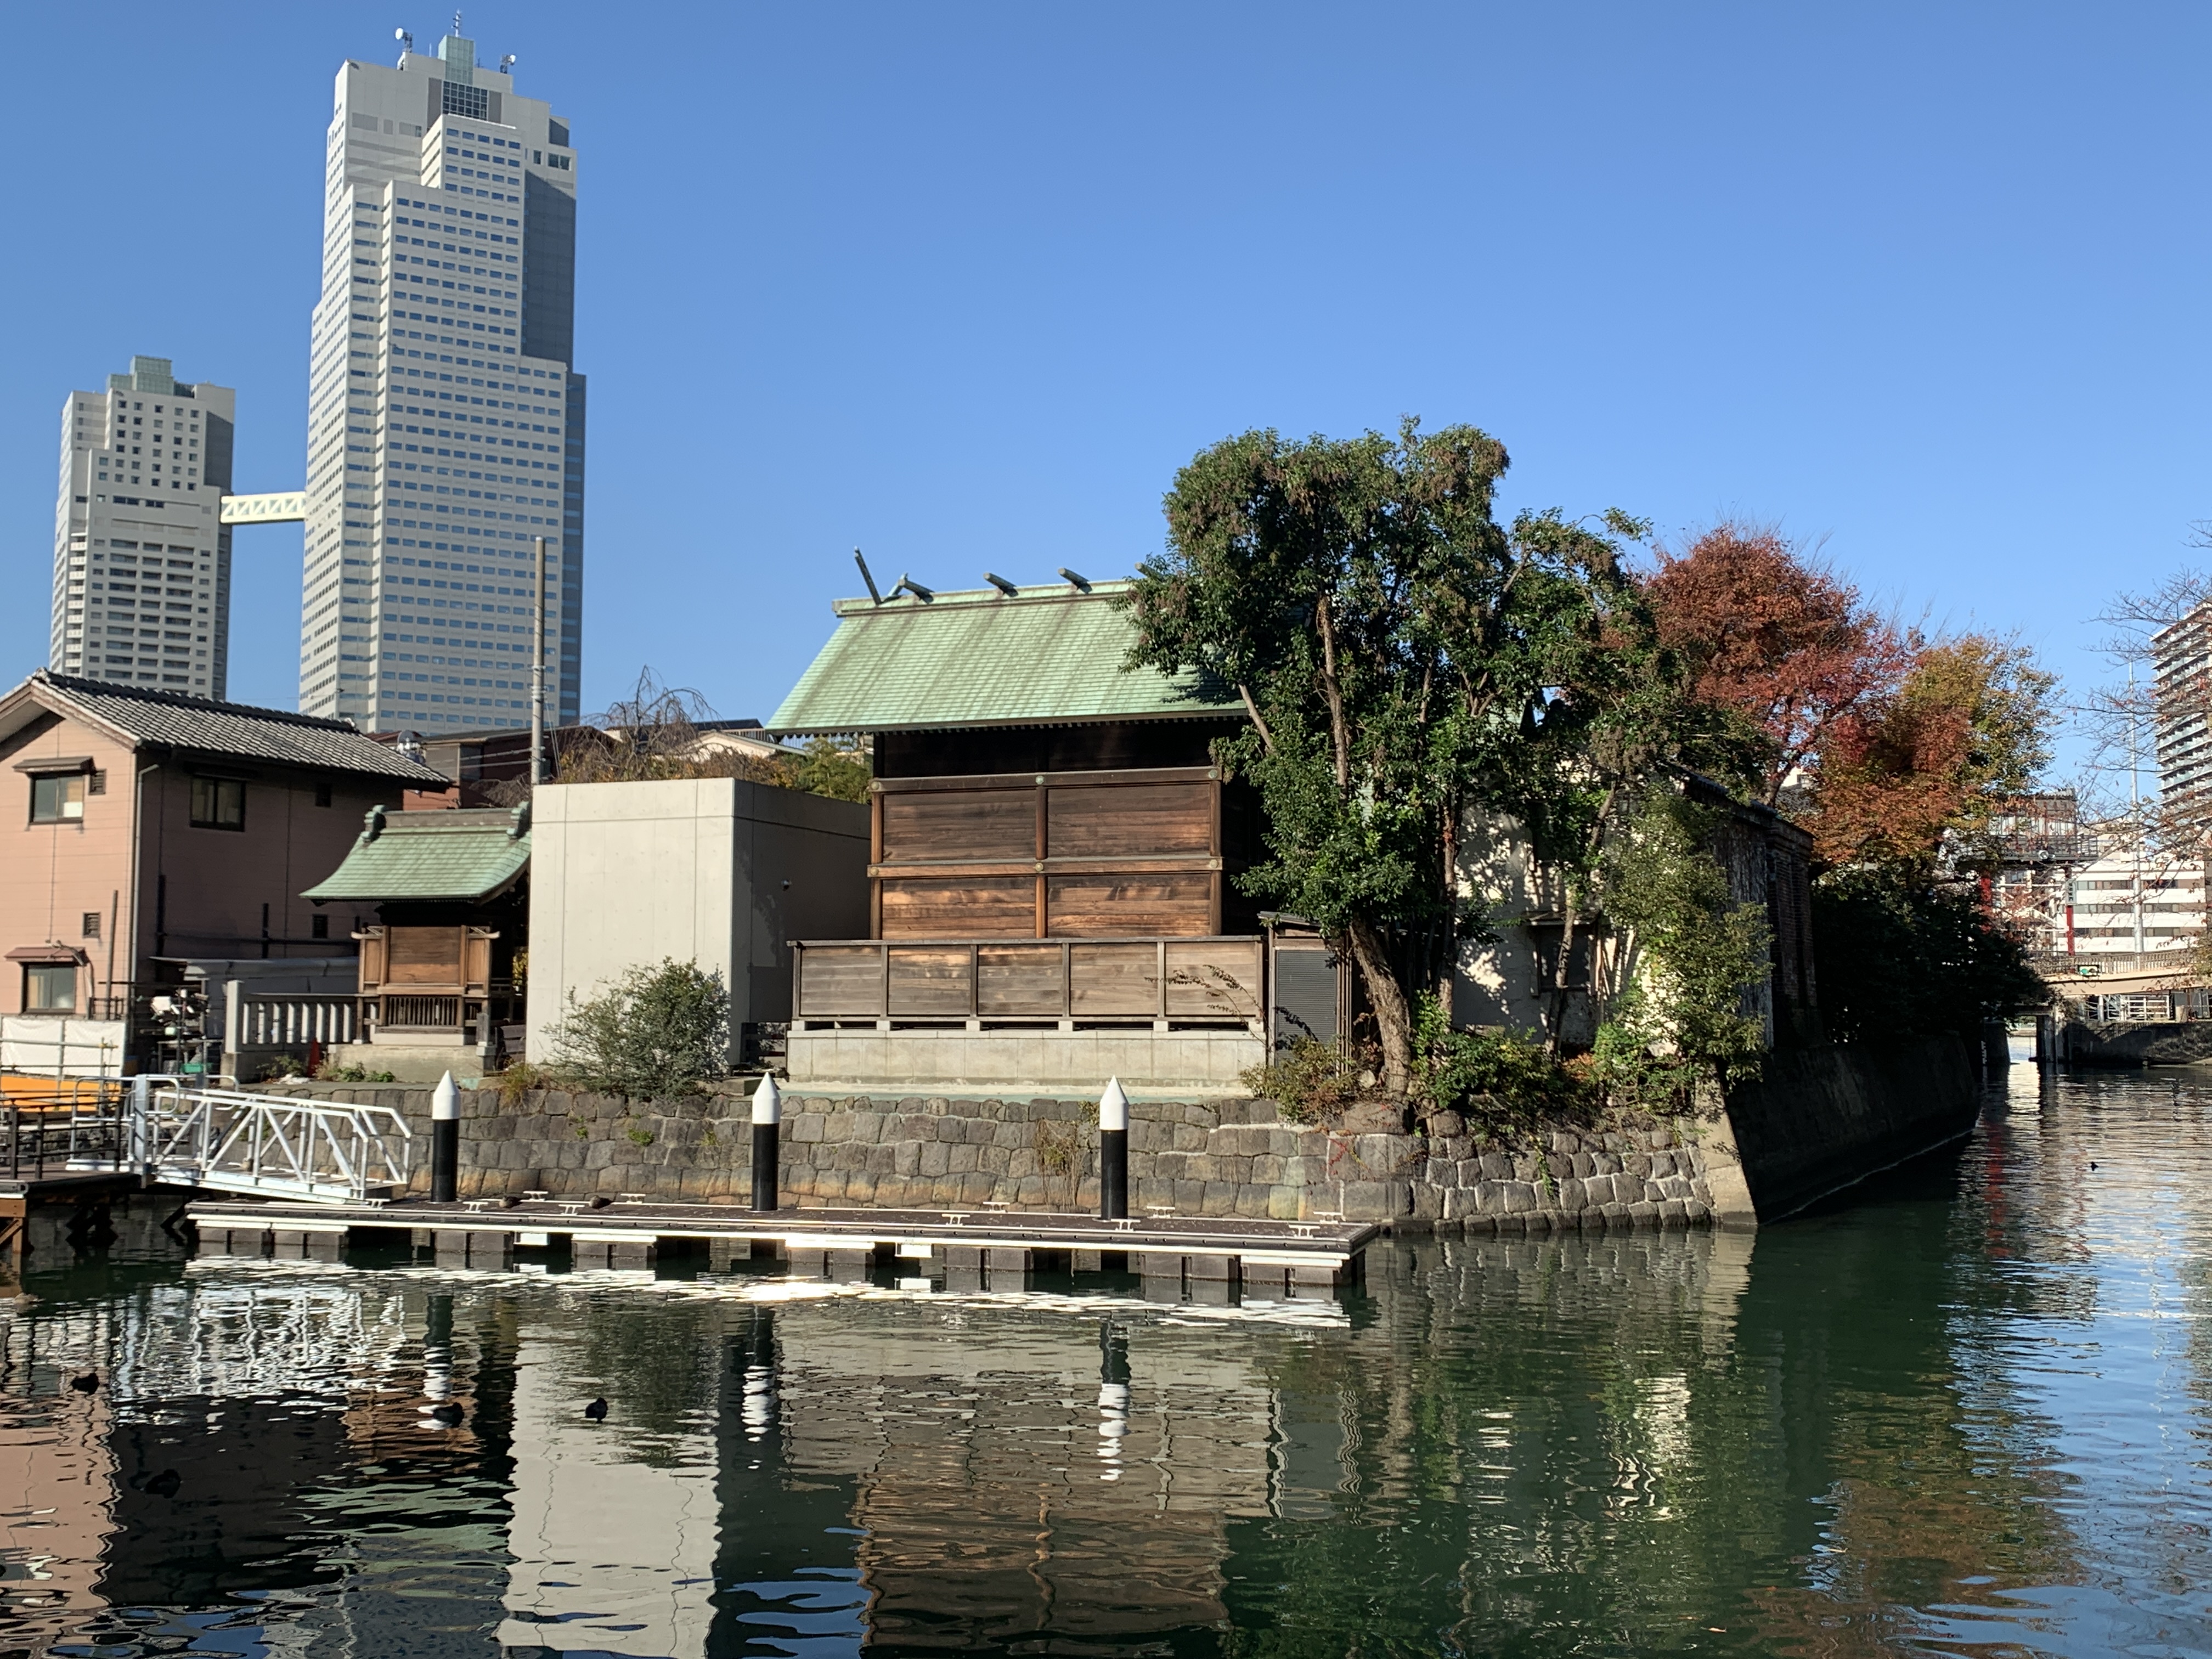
(708,870)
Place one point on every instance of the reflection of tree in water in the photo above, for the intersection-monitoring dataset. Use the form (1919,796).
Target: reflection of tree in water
(1594,1441)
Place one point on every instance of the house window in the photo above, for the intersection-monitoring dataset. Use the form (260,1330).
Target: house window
(318,926)
(58,798)
(49,988)
(218,804)
(323,793)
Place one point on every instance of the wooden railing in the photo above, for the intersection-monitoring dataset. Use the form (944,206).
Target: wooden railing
(1214,980)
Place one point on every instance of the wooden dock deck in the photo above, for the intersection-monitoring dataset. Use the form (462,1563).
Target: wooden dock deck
(1262,1256)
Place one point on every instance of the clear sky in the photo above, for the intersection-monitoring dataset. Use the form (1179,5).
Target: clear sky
(963,284)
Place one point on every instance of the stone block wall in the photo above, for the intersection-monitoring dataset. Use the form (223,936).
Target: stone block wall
(1213,1158)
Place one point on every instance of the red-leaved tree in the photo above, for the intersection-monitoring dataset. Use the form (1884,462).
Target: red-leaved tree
(1775,637)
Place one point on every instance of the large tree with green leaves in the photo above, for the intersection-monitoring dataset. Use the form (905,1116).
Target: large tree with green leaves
(1406,660)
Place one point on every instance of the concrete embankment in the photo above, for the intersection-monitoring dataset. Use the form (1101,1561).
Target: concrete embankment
(1819,1120)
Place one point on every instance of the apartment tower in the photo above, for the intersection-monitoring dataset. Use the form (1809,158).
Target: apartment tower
(445,421)
(142,559)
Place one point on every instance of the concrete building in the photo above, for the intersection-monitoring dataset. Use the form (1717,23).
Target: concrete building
(446,420)
(2181,688)
(157,828)
(142,556)
(714,870)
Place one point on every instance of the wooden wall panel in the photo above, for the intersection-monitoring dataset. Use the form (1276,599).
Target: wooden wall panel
(1219,978)
(1149,820)
(1105,981)
(841,982)
(1176,904)
(423,956)
(982,823)
(978,907)
(928,982)
(1018,981)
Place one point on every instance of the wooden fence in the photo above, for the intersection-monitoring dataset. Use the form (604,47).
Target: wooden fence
(1214,980)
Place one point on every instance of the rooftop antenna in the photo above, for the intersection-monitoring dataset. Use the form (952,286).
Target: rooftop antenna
(506,65)
(456,23)
(406,41)
(1001,584)
(866,576)
(1082,583)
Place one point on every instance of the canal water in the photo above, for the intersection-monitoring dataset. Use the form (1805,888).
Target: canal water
(1965,1412)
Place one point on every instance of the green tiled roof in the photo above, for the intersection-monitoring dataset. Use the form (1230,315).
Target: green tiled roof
(1046,656)
(470,854)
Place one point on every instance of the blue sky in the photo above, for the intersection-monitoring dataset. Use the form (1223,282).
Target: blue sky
(963,284)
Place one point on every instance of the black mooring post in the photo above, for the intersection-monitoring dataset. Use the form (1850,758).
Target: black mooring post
(444,1142)
(768,1121)
(1113,1151)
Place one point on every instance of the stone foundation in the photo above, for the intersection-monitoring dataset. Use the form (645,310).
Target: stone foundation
(1201,1157)
(1817,1122)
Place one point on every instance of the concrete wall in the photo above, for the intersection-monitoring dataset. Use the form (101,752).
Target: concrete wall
(1820,1119)
(714,870)
(1202,1063)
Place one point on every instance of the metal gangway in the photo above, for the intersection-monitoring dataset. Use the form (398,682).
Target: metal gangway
(170,1132)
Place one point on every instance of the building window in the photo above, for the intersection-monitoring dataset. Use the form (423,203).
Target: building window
(91,929)
(58,798)
(318,926)
(218,804)
(49,988)
(323,793)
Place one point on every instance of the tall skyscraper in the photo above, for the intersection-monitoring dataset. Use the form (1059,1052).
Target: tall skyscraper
(142,556)
(445,421)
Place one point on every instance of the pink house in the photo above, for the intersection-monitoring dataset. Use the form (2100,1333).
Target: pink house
(148,827)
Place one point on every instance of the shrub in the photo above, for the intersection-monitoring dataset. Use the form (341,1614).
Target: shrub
(660,1030)
(1500,1077)
(1314,1080)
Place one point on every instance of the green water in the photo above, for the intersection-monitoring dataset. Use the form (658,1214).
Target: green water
(1966,1413)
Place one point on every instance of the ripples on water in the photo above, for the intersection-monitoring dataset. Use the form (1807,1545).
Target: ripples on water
(1966,1413)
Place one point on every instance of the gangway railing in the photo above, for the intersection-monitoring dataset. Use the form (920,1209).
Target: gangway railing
(323,1152)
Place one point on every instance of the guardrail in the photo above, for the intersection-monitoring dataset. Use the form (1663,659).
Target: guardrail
(1215,981)
(325,1152)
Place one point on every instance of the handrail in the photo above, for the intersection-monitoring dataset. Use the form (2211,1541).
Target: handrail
(324,1152)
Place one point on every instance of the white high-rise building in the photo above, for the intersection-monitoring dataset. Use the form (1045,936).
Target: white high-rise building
(142,556)
(446,423)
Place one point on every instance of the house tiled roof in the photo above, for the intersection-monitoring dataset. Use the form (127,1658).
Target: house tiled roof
(204,726)
(473,854)
(1051,656)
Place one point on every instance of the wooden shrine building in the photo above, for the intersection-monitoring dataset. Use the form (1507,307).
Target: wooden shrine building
(1053,852)
(437,965)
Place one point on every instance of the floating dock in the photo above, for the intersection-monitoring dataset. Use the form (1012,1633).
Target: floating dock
(967,1248)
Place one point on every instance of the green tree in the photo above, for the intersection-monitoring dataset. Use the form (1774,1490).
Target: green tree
(1405,659)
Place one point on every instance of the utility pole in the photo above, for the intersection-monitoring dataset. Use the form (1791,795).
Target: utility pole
(537,676)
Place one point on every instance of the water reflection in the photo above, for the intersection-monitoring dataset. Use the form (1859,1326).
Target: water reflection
(1967,1412)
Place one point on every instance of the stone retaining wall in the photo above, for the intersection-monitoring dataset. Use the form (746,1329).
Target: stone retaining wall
(1216,1158)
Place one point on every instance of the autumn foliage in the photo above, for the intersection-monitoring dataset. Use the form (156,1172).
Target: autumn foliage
(1889,747)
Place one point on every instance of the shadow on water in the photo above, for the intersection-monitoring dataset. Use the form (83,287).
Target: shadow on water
(1961,1409)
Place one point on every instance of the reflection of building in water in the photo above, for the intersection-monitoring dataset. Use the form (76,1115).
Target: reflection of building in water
(56,1481)
(1024,1481)
(613,1543)
(260,1433)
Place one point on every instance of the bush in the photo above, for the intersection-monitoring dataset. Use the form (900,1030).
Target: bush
(1498,1077)
(1314,1080)
(661,1031)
